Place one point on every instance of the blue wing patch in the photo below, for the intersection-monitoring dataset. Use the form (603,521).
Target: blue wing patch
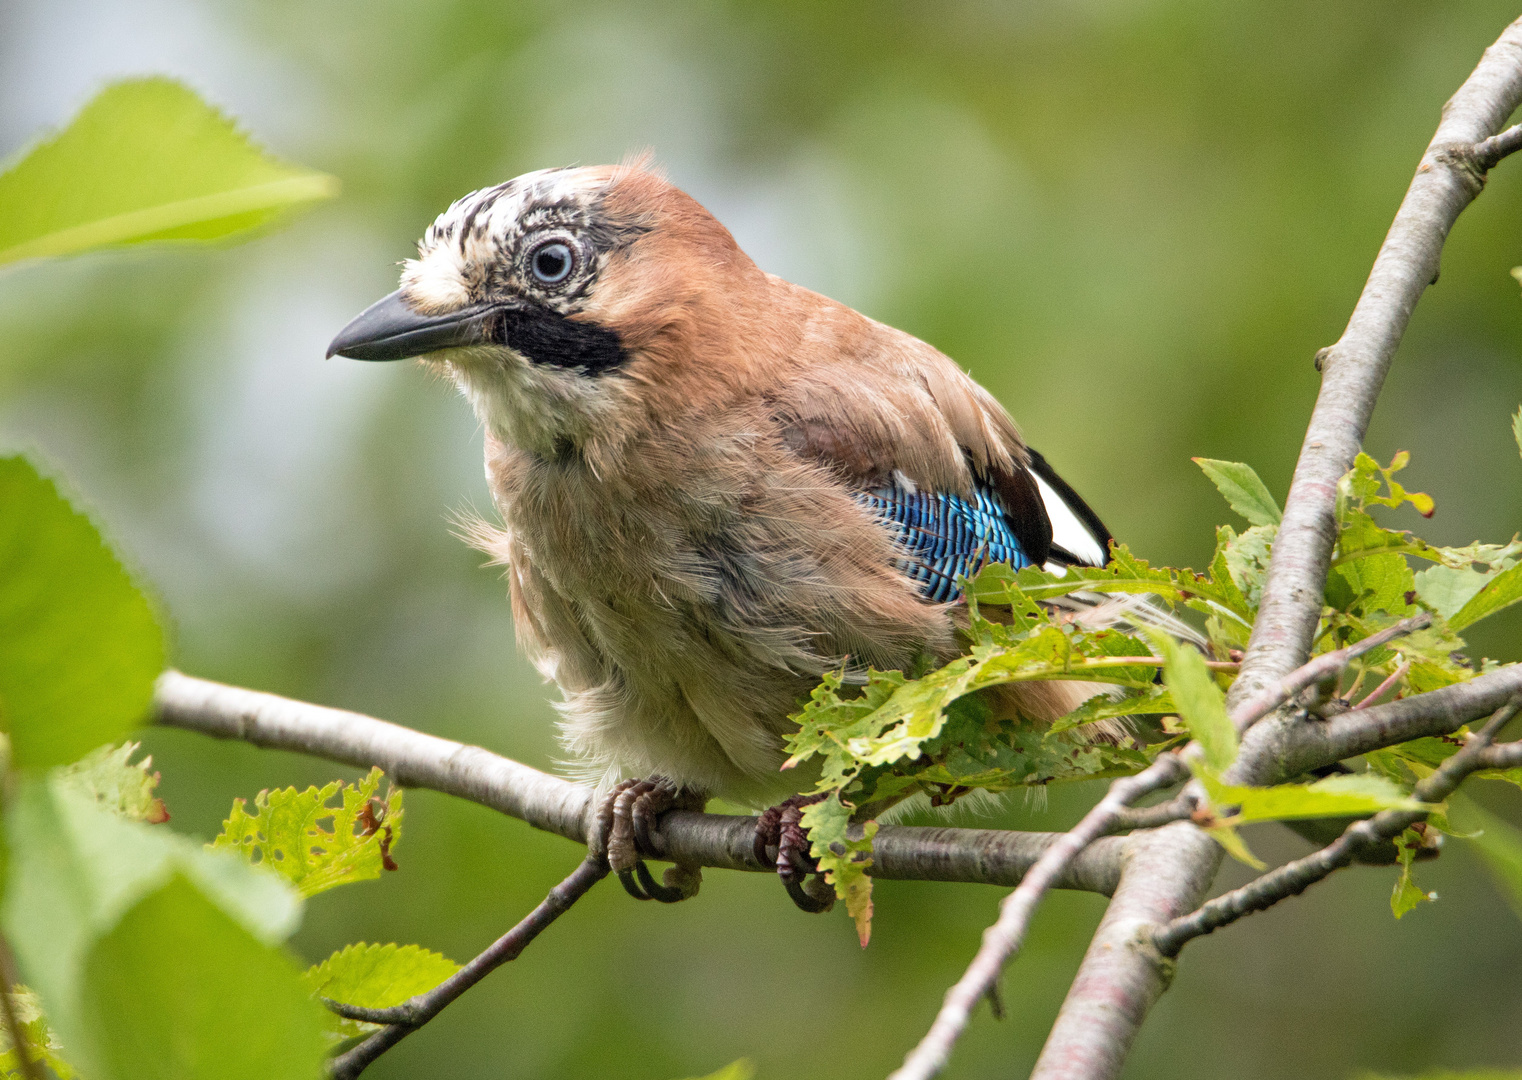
(942,536)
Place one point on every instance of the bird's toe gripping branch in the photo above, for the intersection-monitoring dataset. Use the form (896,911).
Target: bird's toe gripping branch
(781,827)
(624,824)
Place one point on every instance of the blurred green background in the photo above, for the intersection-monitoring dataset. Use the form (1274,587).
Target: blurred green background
(1134,220)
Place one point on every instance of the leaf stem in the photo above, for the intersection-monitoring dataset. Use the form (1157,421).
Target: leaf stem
(1293,878)
(1374,695)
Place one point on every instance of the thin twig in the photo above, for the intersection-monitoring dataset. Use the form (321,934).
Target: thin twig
(1294,878)
(1322,668)
(403,1019)
(1395,676)
(1489,152)
(1177,808)
(1504,756)
(1003,939)
(31,1069)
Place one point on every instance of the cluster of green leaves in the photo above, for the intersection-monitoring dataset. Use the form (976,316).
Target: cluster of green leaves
(884,736)
(98,893)
(145,953)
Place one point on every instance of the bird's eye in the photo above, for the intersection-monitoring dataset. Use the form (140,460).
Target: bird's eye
(552,263)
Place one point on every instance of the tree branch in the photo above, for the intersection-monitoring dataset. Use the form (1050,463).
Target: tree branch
(402,1020)
(1294,878)
(1120,978)
(1281,748)
(1448,178)
(1004,938)
(413,759)
(1167,873)
(1327,666)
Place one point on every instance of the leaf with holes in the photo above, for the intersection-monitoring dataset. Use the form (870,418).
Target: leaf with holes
(1406,895)
(844,852)
(286,832)
(41,1042)
(117,783)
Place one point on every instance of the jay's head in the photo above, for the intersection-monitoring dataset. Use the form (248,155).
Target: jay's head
(557,300)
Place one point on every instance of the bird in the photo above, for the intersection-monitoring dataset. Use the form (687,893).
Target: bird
(714,487)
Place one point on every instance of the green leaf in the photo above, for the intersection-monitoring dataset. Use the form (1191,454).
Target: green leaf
(79,647)
(1360,487)
(75,868)
(844,852)
(41,1042)
(743,1069)
(1502,591)
(1221,572)
(117,783)
(287,833)
(1405,897)
(1201,705)
(1246,558)
(1125,573)
(1157,699)
(1357,795)
(1375,583)
(177,990)
(1242,489)
(145,160)
(375,977)
(1446,589)
(1516,429)
(1231,840)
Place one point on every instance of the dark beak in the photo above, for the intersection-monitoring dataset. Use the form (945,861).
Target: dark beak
(390,330)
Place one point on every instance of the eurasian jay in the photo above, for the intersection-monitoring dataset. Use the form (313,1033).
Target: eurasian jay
(715,485)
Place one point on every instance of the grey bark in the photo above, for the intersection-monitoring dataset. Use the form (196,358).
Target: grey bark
(413,759)
(1117,984)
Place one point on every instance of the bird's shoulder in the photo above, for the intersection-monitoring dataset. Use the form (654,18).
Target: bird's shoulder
(878,406)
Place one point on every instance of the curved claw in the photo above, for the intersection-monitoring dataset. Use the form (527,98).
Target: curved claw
(654,890)
(802,899)
(631,886)
(625,827)
(781,826)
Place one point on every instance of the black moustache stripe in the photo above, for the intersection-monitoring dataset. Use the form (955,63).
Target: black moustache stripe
(547,337)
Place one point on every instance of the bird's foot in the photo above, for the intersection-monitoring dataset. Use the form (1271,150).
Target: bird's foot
(624,823)
(781,827)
